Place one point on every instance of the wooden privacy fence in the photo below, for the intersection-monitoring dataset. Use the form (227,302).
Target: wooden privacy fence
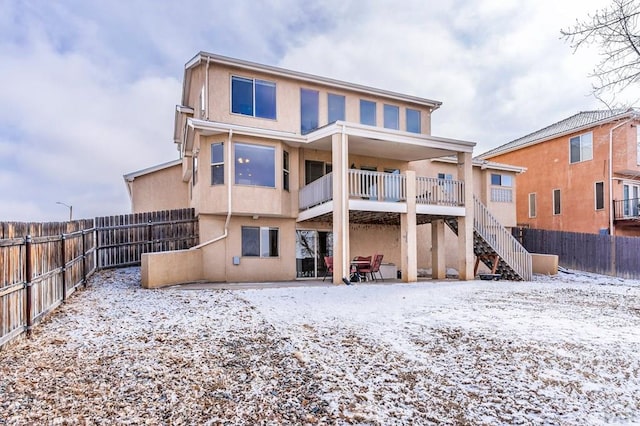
(121,240)
(41,264)
(602,254)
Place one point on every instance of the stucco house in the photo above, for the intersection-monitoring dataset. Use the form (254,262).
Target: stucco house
(284,168)
(583,173)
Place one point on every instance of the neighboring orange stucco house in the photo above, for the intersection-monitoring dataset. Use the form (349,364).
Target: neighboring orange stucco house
(583,173)
(284,168)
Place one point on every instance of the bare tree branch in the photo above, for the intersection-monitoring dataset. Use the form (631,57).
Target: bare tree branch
(615,30)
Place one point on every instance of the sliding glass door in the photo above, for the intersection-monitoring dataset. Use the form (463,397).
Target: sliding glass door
(311,248)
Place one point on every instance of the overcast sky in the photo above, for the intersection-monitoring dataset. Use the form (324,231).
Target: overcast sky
(89,88)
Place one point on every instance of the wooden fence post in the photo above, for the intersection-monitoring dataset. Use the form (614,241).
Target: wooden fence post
(149,235)
(64,268)
(27,278)
(84,258)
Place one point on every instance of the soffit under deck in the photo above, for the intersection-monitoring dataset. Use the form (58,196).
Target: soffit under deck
(363,217)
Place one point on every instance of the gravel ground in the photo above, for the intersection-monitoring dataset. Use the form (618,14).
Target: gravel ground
(547,352)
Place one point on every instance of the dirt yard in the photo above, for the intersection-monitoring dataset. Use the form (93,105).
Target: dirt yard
(559,350)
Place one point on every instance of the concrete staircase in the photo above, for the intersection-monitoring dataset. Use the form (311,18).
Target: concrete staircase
(491,238)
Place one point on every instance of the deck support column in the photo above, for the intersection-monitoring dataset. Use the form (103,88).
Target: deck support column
(438,264)
(408,233)
(339,157)
(465,224)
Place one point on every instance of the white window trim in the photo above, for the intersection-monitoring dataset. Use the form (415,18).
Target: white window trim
(553,202)
(595,196)
(581,160)
(535,203)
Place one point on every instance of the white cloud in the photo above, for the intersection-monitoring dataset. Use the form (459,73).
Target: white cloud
(89,87)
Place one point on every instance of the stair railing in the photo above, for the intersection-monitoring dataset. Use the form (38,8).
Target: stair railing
(501,240)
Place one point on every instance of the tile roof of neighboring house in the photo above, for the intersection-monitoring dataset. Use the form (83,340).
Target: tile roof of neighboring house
(581,120)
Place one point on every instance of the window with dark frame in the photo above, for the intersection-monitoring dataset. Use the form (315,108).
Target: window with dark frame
(581,148)
(556,202)
(260,242)
(599,195)
(217,163)
(253,97)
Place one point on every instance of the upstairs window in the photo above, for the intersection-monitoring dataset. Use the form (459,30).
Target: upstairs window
(367,112)
(581,148)
(391,117)
(413,121)
(260,241)
(501,180)
(255,165)
(253,97)
(336,107)
(501,191)
(308,110)
(217,164)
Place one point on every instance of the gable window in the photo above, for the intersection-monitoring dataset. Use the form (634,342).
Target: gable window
(336,107)
(501,191)
(581,148)
(285,170)
(255,165)
(315,170)
(532,204)
(391,117)
(413,121)
(556,201)
(253,97)
(217,164)
(367,112)
(599,195)
(260,241)
(308,110)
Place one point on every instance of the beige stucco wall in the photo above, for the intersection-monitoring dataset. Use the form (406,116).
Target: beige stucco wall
(218,264)
(171,267)
(159,190)
(287,101)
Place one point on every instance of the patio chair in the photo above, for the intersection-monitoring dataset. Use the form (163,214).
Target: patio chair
(328,266)
(375,266)
(364,268)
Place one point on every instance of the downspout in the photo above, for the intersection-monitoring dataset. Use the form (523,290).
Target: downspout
(226,222)
(611,172)
(206,89)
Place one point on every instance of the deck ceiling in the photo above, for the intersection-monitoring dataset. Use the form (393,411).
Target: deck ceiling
(364,217)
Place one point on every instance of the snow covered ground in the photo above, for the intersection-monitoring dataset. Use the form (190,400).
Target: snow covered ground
(559,350)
